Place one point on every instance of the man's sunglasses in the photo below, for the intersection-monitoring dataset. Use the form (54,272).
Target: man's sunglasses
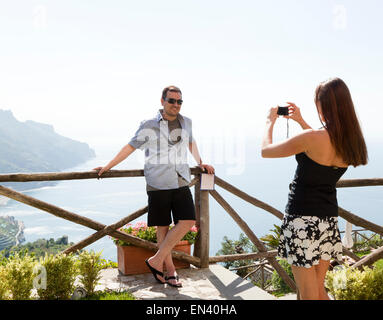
(173,101)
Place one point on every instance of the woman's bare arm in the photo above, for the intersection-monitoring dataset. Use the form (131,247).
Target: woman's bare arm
(289,147)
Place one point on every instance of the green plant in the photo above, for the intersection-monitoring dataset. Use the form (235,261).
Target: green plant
(108,264)
(242,245)
(347,283)
(39,247)
(139,230)
(3,284)
(18,272)
(361,245)
(191,236)
(272,240)
(110,295)
(277,282)
(90,266)
(61,273)
(3,258)
(142,231)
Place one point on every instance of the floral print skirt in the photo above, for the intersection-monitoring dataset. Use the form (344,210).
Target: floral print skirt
(304,240)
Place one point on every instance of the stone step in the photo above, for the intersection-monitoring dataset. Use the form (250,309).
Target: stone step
(213,283)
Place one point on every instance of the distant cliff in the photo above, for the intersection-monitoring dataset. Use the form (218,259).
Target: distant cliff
(11,232)
(35,147)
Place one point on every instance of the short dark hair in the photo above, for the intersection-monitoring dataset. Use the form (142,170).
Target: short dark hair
(170,89)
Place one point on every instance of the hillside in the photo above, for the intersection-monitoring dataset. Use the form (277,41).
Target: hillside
(35,147)
(11,232)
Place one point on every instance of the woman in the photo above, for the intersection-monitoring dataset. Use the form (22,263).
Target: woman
(309,233)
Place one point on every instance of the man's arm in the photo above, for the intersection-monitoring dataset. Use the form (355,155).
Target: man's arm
(194,151)
(121,156)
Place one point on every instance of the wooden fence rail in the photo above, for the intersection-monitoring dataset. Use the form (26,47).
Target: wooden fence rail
(200,257)
(90,223)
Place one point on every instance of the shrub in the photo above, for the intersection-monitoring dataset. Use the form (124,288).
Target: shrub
(346,283)
(361,245)
(142,231)
(110,295)
(272,240)
(18,272)
(61,273)
(242,245)
(3,284)
(40,247)
(89,265)
(278,283)
(108,264)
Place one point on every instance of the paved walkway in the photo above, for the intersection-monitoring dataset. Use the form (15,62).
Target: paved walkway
(213,283)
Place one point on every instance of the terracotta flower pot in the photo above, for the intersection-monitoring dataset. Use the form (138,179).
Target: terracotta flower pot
(131,259)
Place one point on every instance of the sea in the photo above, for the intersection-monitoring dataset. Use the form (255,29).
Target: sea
(110,199)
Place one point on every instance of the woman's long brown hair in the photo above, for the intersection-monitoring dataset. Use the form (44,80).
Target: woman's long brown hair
(341,121)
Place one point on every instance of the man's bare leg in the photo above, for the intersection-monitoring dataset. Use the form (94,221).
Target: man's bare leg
(172,237)
(168,262)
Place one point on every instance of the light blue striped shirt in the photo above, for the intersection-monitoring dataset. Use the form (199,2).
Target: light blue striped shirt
(164,160)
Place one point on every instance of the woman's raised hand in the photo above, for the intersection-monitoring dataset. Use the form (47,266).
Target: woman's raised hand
(294,112)
(272,116)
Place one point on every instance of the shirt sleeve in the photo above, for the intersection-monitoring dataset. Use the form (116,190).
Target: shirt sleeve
(140,138)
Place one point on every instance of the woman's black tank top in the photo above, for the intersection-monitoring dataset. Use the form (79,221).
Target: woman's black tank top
(313,191)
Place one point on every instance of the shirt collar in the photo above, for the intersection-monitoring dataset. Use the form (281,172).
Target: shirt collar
(160,117)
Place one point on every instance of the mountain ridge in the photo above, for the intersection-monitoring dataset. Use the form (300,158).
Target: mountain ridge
(31,146)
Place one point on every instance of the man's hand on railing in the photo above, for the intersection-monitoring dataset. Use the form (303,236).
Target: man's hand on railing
(207,168)
(101,170)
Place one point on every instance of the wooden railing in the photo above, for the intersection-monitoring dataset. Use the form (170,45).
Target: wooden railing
(359,237)
(260,268)
(200,256)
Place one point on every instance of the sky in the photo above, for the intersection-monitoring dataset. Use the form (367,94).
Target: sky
(94,68)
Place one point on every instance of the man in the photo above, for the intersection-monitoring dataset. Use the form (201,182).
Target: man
(166,139)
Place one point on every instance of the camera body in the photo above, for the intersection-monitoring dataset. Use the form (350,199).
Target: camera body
(283,110)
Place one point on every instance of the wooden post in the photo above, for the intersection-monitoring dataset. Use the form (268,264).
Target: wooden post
(263,277)
(355,236)
(204,245)
(197,204)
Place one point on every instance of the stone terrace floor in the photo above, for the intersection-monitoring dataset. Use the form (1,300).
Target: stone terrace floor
(213,283)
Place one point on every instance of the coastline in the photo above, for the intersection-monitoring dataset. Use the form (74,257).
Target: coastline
(11,232)
(19,237)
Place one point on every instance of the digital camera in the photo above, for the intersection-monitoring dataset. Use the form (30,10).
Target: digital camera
(283,110)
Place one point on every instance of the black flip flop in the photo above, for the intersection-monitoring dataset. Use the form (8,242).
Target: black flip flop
(155,272)
(179,285)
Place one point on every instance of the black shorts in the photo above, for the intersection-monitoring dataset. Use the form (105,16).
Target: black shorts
(163,203)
